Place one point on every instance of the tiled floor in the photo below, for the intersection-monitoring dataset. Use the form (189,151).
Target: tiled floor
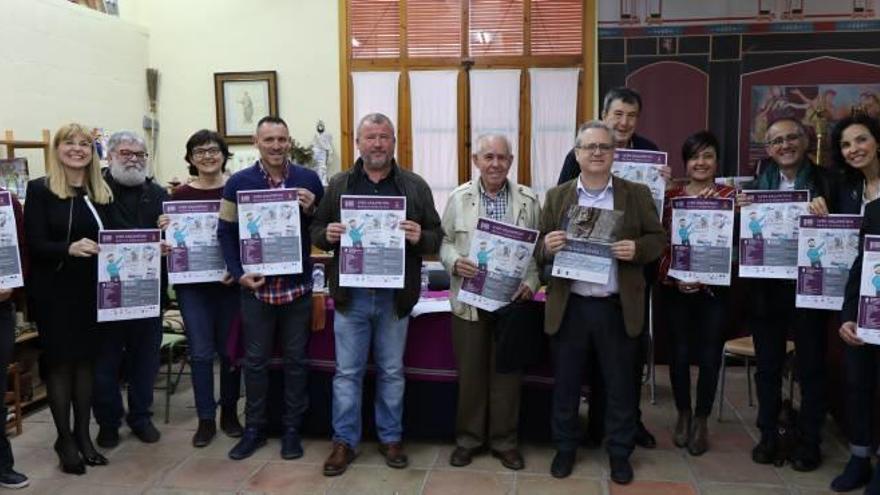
(173,466)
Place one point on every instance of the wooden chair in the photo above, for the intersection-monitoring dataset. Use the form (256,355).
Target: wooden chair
(744,348)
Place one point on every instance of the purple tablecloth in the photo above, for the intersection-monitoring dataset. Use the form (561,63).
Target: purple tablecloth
(428,357)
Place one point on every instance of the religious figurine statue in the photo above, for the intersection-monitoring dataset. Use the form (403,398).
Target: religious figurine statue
(322,151)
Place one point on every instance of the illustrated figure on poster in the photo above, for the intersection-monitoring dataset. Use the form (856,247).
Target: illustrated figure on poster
(149,254)
(286,212)
(684,231)
(247,108)
(756,225)
(483,256)
(815,253)
(113,268)
(355,233)
(179,234)
(391,221)
(253,225)
(876,280)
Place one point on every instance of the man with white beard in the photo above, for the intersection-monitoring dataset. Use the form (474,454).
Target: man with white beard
(137,204)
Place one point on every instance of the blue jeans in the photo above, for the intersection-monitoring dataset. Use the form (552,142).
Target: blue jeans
(136,343)
(371,315)
(291,323)
(208,311)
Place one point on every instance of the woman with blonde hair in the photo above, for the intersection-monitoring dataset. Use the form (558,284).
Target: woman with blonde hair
(62,218)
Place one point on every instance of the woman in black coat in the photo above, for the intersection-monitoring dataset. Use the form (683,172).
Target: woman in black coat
(62,218)
(854,144)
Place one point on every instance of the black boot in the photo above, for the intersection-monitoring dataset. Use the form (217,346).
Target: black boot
(229,422)
(856,474)
(205,433)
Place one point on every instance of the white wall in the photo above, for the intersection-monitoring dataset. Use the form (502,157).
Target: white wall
(191,40)
(62,62)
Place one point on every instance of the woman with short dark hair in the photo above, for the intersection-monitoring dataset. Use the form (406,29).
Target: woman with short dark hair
(208,309)
(696,312)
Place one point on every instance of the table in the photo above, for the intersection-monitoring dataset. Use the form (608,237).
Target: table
(431,381)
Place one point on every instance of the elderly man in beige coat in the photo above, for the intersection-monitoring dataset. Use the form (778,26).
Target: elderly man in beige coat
(483,393)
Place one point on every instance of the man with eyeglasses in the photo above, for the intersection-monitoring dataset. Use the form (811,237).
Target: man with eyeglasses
(605,318)
(488,401)
(621,109)
(773,313)
(137,204)
(368,318)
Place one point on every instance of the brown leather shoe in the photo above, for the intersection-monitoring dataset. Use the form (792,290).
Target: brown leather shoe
(394,455)
(339,459)
(462,456)
(511,459)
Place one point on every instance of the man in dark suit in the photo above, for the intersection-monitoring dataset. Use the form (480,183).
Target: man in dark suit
(620,112)
(606,317)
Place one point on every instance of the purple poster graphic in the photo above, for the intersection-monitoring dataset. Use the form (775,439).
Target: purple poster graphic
(269,231)
(503,255)
(129,274)
(769,233)
(372,249)
(195,255)
(869,292)
(827,247)
(701,238)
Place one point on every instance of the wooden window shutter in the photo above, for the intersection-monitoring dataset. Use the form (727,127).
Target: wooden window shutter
(374,28)
(433,28)
(556,27)
(496,27)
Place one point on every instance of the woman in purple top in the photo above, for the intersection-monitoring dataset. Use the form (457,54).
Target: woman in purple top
(208,309)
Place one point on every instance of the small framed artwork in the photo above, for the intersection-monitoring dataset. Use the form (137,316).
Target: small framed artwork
(242,99)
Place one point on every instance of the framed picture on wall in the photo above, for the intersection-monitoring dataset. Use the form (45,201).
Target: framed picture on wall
(242,99)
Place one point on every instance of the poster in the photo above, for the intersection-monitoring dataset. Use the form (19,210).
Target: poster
(14,176)
(502,253)
(10,260)
(589,233)
(702,240)
(868,328)
(643,167)
(768,233)
(373,247)
(827,247)
(129,271)
(195,254)
(269,232)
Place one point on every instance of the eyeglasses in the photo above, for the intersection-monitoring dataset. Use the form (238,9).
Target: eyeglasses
(592,148)
(779,141)
(136,155)
(199,153)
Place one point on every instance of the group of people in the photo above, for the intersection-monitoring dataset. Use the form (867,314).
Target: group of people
(595,328)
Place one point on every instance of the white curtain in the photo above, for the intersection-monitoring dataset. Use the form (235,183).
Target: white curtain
(374,92)
(554,123)
(434,99)
(495,109)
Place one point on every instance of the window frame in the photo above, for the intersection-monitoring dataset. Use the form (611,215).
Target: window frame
(587,83)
